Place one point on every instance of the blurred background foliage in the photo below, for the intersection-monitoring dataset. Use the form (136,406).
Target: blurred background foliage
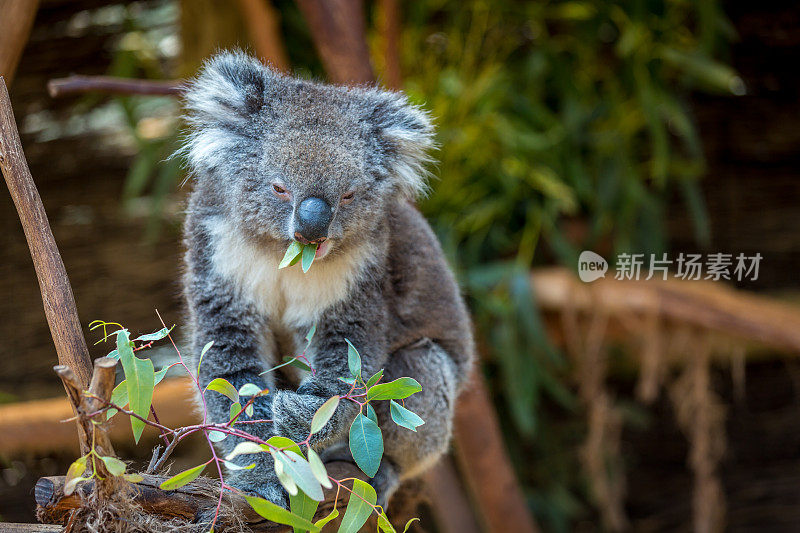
(562,125)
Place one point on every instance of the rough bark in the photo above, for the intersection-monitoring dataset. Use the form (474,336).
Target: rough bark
(186,502)
(59,303)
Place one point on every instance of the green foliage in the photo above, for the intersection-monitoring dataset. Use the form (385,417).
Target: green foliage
(140,381)
(270,511)
(359,508)
(397,389)
(563,124)
(187,476)
(324,413)
(366,444)
(403,417)
(299,252)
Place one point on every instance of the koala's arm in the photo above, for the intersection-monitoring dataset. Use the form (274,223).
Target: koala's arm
(221,315)
(360,318)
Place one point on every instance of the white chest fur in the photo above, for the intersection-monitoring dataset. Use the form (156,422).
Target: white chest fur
(292,298)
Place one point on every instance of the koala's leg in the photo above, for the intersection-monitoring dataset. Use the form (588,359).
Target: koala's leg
(406,453)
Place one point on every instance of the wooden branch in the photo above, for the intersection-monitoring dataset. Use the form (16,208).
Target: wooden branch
(111,85)
(186,502)
(484,464)
(31,528)
(16,22)
(94,432)
(705,304)
(263,25)
(338,29)
(59,303)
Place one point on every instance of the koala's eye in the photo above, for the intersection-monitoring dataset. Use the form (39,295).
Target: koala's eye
(348,197)
(280,191)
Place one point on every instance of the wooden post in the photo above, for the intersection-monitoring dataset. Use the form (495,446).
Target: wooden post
(59,303)
(339,32)
(263,25)
(484,464)
(16,21)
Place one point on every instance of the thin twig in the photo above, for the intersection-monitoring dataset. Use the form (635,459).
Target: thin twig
(110,85)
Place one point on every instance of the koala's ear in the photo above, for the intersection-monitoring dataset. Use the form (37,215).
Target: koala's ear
(230,88)
(404,136)
(222,102)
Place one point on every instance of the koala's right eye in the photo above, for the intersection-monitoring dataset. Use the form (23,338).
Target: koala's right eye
(280,192)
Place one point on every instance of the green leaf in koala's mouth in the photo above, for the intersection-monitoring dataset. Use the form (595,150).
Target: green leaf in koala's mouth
(292,255)
(309,253)
(297,252)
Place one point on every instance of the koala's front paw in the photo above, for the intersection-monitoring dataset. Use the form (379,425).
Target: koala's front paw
(291,415)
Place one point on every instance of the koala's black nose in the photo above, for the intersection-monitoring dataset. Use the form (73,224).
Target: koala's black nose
(312,219)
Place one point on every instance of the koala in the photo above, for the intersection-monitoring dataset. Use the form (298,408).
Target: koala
(276,159)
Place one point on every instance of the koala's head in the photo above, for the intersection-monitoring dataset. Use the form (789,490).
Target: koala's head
(297,160)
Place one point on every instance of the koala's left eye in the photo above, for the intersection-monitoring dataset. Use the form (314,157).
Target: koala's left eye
(348,197)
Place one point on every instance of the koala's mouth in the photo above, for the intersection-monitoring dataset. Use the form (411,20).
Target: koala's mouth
(323,249)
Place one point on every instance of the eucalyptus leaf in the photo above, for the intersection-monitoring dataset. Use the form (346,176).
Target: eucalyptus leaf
(309,252)
(353,359)
(140,380)
(394,390)
(366,444)
(114,466)
(250,389)
(156,336)
(359,507)
(324,414)
(318,468)
(404,417)
(294,250)
(300,471)
(224,387)
(278,514)
(184,478)
(244,447)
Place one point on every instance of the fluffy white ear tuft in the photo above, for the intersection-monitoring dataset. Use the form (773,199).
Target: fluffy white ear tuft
(221,104)
(405,136)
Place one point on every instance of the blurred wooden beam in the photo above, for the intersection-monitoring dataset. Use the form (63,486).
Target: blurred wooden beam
(263,25)
(710,305)
(339,32)
(38,426)
(483,462)
(16,22)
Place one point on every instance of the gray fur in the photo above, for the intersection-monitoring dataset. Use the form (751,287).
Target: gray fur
(384,285)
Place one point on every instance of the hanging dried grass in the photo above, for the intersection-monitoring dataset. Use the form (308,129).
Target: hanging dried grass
(701,416)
